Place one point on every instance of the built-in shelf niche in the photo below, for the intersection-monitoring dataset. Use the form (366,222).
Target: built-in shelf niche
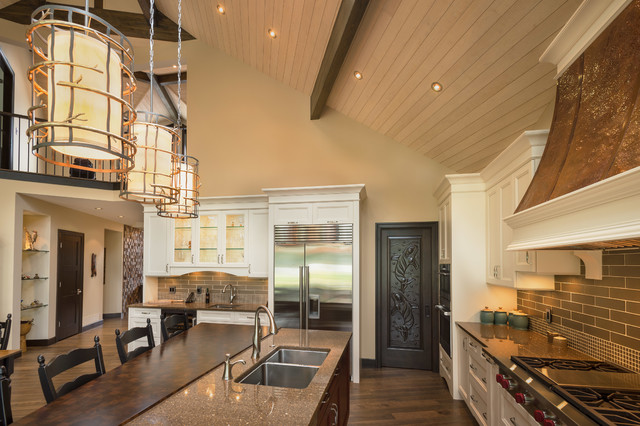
(36,261)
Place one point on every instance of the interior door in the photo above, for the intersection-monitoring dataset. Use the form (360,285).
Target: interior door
(406,260)
(70,284)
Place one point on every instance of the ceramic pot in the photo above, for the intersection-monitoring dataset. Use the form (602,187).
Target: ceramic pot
(519,320)
(500,317)
(486,316)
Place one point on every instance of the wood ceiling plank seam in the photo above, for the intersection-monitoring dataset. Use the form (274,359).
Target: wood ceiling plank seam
(372,67)
(246,31)
(345,81)
(516,126)
(296,21)
(214,37)
(380,113)
(422,60)
(480,15)
(242,31)
(215,34)
(328,21)
(261,31)
(305,21)
(309,51)
(485,70)
(235,42)
(196,9)
(284,48)
(540,100)
(367,37)
(253,35)
(503,100)
(276,44)
(385,72)
(406,64)
(268,41)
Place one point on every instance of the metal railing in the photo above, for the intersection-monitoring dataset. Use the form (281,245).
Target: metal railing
(16,155)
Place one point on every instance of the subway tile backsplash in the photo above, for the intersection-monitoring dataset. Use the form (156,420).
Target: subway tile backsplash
(605,313)
(250,290)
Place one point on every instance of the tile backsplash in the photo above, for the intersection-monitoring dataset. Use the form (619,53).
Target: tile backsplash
(607,309)
(250,290)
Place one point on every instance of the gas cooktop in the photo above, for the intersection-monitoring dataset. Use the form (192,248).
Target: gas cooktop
(568,364)
(619,407)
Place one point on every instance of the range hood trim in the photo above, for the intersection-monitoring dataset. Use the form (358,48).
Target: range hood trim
(607,210)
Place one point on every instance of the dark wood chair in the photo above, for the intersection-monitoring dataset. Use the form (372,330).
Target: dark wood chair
(173,325)
(5,397)
(132,335)
(64,362)
(5,332)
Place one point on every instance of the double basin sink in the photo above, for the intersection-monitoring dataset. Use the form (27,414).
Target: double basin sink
(286,367)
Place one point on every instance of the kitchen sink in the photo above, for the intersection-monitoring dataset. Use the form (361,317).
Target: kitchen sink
(281,375)
(298,356)
(223,306)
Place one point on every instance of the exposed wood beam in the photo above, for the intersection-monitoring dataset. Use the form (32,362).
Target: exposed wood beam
(163,79)
(98,4)
(145,6)
(165,98)
(130,24)
(344,30)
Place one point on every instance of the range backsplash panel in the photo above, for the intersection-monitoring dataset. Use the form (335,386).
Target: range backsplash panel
(599,317)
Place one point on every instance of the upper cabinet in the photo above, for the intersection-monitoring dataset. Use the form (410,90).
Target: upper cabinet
(230,235)
(313,213)
(507,179)
(444,230)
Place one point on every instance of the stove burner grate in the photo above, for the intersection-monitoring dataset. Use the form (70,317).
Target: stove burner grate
(571,364)
(618,407)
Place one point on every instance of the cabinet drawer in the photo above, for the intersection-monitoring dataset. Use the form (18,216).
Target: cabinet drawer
(475,348)
(478,403)
(479,368)
(333,212)
(249,318)
(144,313)
(292,214)
(218,317)
(511,414)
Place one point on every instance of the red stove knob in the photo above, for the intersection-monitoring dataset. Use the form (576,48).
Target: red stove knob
(522,398)
(549,422)
(507,383)
(499,378)
(541,416)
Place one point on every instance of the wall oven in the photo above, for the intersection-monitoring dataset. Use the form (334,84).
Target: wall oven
(444,308)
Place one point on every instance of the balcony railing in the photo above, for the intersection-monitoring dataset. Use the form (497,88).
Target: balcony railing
(16,155)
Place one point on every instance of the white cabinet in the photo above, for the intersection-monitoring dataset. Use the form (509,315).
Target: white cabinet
(292,214)
(156,234)
(446,368)
(258,236)
(230,317)
(444,231)
(510,413)
(501,202)
(463,361)
(313,213)
(138,318)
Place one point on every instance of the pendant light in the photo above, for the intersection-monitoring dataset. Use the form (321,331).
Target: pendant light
(82,91)
(186,177)
(150,181)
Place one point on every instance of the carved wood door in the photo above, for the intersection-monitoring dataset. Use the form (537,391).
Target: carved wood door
(406,263)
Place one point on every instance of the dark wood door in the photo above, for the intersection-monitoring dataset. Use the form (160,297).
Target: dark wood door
(70,284)
(406,267)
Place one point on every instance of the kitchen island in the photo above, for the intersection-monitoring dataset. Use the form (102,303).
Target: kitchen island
(180,382)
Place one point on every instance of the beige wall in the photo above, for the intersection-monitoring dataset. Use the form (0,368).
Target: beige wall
(251,132)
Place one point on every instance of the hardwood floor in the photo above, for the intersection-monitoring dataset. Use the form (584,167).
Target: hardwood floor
(384,396)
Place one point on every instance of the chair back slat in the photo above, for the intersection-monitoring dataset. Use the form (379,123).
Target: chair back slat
(132,335)
(64,362)
(5,332)
(173,325)
(6,417)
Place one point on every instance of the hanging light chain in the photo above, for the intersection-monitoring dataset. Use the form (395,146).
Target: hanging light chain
(179,62)
(151,34)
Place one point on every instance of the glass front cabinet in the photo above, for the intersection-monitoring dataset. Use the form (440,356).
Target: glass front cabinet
(213,239)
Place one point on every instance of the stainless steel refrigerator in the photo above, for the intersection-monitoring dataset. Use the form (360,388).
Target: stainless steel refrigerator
(313,276)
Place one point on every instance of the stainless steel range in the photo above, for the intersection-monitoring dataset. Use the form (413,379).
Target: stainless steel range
(574,391)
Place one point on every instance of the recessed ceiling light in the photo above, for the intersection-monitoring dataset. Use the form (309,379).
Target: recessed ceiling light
(436,87)
(272,33)
(357,75)
(175,66)
(98,208)
(220,8)
(120,216)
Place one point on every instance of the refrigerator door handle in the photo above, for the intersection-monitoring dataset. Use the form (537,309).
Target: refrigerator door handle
(306,297)
(301,288)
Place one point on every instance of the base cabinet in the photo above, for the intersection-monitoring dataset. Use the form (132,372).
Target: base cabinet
(334,407)
(230,317)
(446,368)
(510,413)
(138,318)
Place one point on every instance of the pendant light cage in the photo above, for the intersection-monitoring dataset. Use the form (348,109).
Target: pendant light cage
(82,91)
(151,180)
(187,180)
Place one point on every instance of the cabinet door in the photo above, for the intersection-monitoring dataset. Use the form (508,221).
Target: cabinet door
(258,248)
(525,259)
(208,238)
(494,230)
(156,234)
(183,241)
(292,214)
(507,206)
(333,212)
(463,365)
(234,238)
(444,231)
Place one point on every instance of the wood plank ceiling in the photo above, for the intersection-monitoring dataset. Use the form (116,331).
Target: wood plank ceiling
(484,52)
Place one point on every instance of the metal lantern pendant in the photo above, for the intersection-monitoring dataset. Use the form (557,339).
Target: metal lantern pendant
(187,180)
(82,91)
(151,179)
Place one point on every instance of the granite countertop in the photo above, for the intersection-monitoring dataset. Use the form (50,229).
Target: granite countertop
(211,400)
(195,306)
(501,342)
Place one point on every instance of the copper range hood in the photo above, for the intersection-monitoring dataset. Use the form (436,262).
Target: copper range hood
(586,191)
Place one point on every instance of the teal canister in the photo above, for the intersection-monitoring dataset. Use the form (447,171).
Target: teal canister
(486,316)
(500,317)
(519,321)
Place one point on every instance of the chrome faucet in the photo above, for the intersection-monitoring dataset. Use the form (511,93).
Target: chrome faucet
(228,365)
(232,293)
(257,331)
